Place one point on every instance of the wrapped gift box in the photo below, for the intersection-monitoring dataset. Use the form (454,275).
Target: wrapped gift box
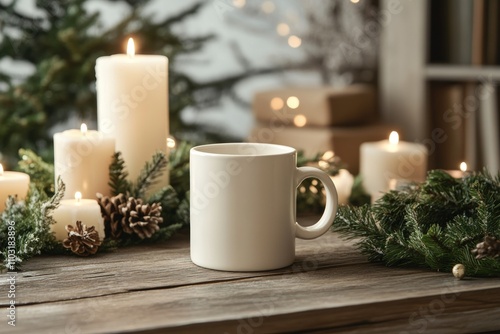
(321,106)
(343,141)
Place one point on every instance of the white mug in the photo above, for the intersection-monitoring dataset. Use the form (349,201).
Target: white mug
(242,202)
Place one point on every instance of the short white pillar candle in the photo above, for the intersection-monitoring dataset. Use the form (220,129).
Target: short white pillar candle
(71,210)
(82,158)
(386,160)
(12,184)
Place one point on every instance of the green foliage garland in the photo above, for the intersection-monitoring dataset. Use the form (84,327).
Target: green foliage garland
(434,225)
(28,226)
(32,219)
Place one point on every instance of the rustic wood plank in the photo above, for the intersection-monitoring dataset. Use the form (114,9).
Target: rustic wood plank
(329,288)
(336,298)
(149,267)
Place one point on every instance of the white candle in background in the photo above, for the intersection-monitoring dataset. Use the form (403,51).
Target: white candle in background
(391,159)
(71,210)
(343,183)
(457,174)
(12,184)
(132,106)
(82,159)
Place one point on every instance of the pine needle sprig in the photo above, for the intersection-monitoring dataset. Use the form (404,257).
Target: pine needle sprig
(149,174)
(433,225)
(179,167)
(169,200)
(41,173)
(31,221)
(118,176)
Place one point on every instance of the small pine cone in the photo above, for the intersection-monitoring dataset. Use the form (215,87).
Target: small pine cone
(141,219)
(82,240)
(490,247)
(112,214)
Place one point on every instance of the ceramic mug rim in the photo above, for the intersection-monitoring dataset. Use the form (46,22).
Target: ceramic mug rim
(238,150)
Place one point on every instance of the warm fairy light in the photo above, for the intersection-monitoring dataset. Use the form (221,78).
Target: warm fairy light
(78,196)
(171,142)
(239,3)
(283,29)
(294,41)
(354,1)
(268,7)
(463,167)
(328,155)
(299,120)
(83,129)
(131,47)
(1,170)
(277,103)
(293,102)
(394,138)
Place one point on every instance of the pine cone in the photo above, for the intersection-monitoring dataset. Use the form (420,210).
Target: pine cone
(112,214)
(141,219)
(81,240)
(490,247)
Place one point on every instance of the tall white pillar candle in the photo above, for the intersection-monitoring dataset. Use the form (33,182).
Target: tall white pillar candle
(82,159)
(386,160)
(12,184)
(132,106)
(71,210)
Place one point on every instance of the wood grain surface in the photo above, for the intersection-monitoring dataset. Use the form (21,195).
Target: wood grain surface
(329,288)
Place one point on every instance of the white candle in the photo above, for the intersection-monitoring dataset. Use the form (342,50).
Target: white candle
(71,210)
(343,183)
(457,174)
(391,159)
(132,106)
(82,159)
(12,184)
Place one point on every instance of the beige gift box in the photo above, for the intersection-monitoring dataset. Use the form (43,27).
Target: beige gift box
(319,106)
(343,141)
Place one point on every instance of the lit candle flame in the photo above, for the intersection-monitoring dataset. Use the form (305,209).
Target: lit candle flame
(394,138)
(131,47)
(1,170)
(463,167)
(83,129)
(78,196)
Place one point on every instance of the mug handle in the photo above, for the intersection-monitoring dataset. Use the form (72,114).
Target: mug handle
(326,220)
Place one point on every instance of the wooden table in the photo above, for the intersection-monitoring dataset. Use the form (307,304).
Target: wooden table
(330,288)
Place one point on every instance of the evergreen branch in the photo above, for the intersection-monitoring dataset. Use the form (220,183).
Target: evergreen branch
(359,196)
(183,213)
(53,203)
(434,225)
(167,197)
(150,173)
(40,172)
(182,15)
(31,225)
(118,176)
(179,168)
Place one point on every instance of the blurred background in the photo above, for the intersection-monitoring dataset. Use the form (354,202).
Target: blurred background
(322,76)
